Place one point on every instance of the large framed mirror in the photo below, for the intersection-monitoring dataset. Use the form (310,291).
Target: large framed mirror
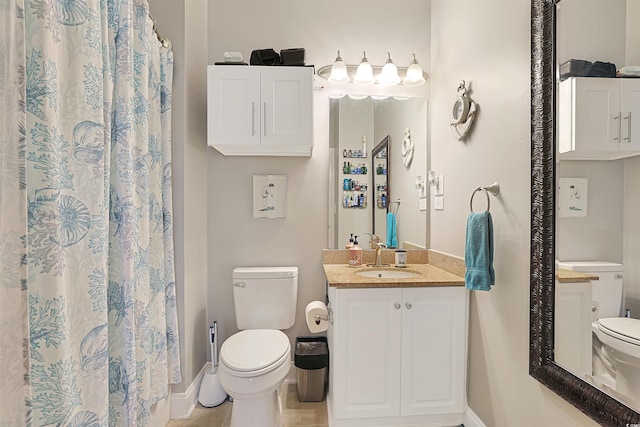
(600,405)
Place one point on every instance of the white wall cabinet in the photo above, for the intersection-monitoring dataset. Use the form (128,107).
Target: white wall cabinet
(260,111)
(398,355)
(599,118)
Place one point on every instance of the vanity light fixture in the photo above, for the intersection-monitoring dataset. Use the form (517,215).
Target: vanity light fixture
(357,97)
(336,95)
(415,75)
(389,75)
(365,73)
(339,71)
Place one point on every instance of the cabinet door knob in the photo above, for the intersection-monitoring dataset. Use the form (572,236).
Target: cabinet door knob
(408,305)
(398,306)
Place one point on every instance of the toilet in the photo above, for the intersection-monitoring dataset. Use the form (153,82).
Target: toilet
(255,361)
(616,339)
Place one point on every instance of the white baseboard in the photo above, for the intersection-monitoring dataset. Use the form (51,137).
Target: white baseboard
(183,404)
(471,419)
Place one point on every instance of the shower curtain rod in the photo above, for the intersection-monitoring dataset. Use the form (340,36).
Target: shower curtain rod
(162,39)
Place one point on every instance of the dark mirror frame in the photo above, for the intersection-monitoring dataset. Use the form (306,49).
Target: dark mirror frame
(382,146)
(598,405)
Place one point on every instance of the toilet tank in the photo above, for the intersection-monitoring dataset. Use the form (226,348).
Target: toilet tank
(265,297)
(605,292)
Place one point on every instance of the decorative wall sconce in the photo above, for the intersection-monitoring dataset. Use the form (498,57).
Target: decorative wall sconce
(463,113)
(365,73)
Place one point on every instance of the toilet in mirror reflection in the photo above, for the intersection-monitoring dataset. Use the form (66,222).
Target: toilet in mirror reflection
(615,340)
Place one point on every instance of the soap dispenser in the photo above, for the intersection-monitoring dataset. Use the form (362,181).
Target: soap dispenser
(350,244)
(355,254)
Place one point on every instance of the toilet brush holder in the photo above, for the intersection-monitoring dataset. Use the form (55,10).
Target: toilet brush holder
(211,392)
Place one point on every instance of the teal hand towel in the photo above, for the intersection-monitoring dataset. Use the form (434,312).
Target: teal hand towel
(392,239)
(478,252)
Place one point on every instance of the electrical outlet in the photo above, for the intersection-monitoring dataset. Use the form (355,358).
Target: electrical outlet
(423,203)
(438,203)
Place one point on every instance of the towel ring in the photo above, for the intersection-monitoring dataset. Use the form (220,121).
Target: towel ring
(493,189)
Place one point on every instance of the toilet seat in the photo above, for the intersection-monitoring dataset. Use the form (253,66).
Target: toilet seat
(254,352)
(622,328)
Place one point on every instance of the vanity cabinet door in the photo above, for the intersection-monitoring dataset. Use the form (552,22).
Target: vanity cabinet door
(366,353)
(433,350)
(255,111)
(572,327)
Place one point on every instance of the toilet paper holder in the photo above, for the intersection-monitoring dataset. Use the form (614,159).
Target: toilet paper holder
(327,317)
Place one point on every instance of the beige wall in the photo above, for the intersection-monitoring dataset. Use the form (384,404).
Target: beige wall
(491,51)
(486,43)
(184,22)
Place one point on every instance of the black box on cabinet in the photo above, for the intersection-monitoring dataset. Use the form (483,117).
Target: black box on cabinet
(293,56)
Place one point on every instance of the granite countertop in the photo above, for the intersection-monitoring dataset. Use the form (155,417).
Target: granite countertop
(570,276)
(344,276)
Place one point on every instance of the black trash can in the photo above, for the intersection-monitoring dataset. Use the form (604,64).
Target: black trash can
(311,357)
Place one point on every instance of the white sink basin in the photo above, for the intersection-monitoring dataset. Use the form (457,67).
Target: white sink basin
(388,274)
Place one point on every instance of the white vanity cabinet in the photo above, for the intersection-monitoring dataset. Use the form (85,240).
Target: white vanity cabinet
(398,355)
(599,118)
(260,111)
(572,327)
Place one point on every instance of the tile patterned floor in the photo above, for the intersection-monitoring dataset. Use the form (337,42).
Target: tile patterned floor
(294,412)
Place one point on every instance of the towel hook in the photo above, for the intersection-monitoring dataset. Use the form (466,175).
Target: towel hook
(493,189)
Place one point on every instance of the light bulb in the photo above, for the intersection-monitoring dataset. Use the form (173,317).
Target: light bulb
(415,76)
(364,73)
(389,75)
(339,71)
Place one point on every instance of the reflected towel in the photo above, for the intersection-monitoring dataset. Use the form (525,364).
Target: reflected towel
(392,239)
(478,252)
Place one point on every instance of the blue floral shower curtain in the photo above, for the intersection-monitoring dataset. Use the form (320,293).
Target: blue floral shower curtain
(88,322)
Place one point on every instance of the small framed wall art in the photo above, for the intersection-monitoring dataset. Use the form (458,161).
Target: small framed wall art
(269,196)
(573,197)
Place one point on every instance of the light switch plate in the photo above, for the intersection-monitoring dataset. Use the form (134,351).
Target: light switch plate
(423,203)
(440,185)
(438,203)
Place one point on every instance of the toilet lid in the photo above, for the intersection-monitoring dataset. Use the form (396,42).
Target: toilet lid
(623,328)
(254,349)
